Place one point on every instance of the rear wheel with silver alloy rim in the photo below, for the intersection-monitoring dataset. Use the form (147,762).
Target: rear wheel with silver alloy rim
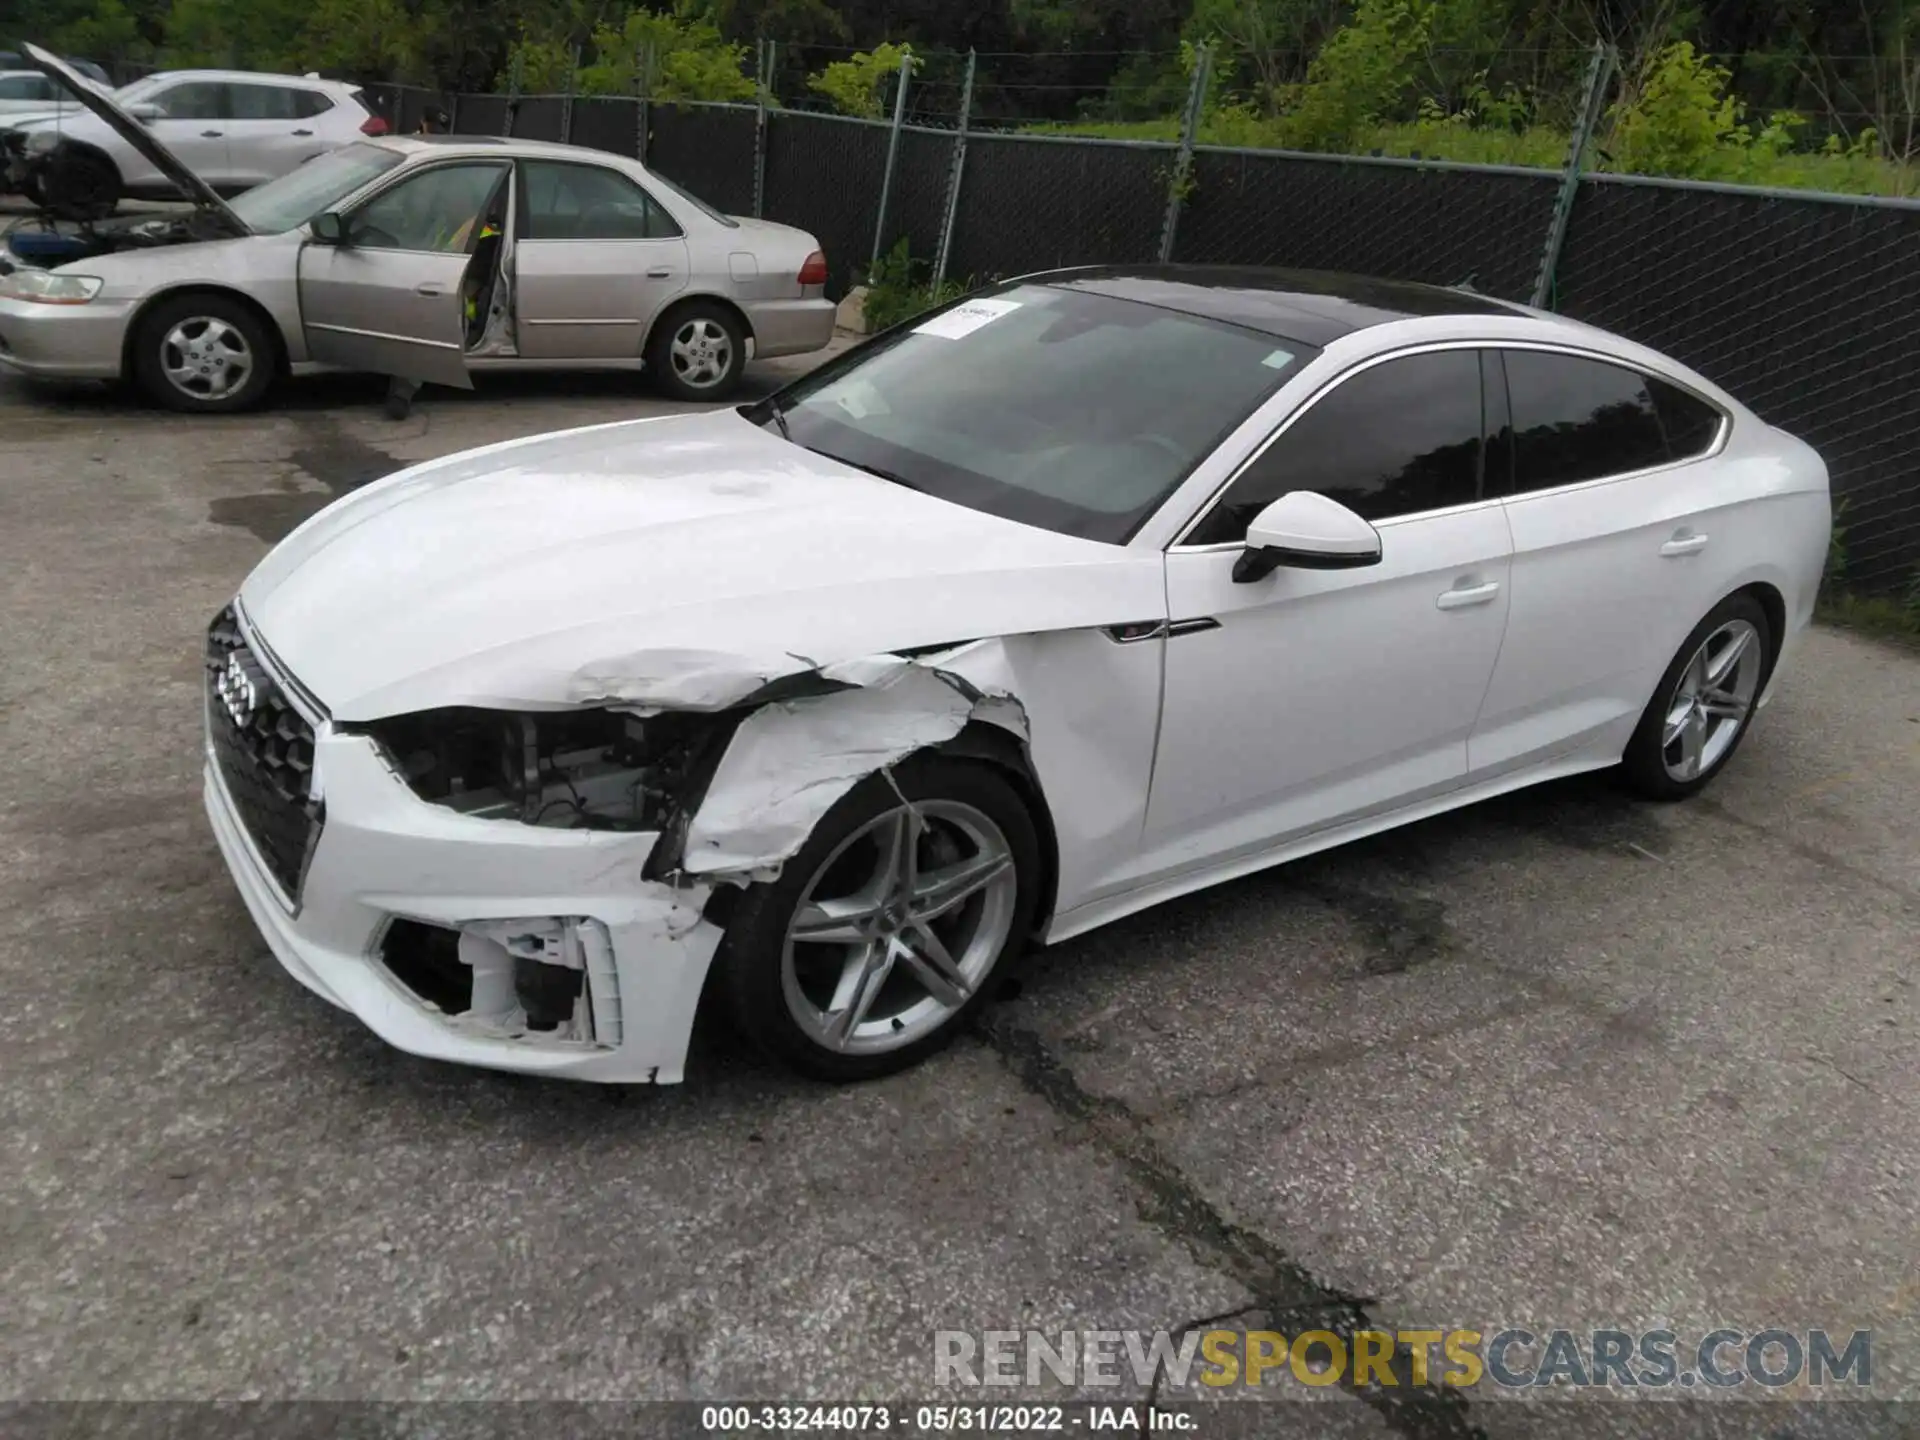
(1704,702)
(697,351)
(890,925)
(203,352)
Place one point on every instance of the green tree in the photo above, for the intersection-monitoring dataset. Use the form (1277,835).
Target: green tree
(1361,75)
(1264,45)
(1680,119)
(854,86)
(691,59)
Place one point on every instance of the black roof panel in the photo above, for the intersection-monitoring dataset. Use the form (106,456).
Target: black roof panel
(1313,306)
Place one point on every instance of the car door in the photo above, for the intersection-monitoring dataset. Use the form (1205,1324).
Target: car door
(1311,697)
(595,259)
(393,298)
(271,131)
(192,122)
(1612,549)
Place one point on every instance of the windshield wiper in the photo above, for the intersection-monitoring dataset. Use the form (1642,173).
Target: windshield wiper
(873,470)
(780,419)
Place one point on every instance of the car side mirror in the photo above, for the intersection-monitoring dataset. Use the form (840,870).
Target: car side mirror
(146,110)
(330,228)
(1305,531)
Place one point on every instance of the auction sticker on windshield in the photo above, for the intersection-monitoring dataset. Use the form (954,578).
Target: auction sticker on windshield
(967,318)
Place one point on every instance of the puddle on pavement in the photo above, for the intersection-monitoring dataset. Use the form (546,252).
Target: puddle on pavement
(339,461)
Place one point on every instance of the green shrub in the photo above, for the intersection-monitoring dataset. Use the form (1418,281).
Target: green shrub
(854,86)
(1681,119)
(691,60)
(898,288)
(1360,75)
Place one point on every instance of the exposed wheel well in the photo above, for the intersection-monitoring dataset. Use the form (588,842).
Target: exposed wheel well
(1000,748)
(68,151)
(662,320)
(247,302)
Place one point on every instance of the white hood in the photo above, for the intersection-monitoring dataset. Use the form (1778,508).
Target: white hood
(656,562)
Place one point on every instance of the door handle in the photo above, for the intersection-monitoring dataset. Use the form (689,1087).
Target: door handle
(429,289)
(1468,595)
(303,132)
(209,134)
(660,274)
(1684,545)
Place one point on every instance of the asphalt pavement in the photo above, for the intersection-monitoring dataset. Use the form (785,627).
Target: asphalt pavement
(1564,1060)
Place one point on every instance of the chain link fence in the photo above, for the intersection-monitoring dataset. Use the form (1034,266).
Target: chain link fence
(1412,221)
(1805,306)
(1037,202)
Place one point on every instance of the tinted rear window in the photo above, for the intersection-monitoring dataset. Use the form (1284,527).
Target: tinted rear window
(1576,419)
(1690,422)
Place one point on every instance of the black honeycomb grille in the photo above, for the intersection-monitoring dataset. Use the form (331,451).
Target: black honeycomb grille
(264,749)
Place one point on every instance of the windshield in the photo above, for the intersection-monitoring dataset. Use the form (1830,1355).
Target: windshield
(299,195)
(1060,408)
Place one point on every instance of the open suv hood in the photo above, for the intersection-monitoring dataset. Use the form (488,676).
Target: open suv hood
(136,135)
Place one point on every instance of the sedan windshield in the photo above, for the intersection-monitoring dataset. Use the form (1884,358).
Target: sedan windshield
(300,194)
(1056,407)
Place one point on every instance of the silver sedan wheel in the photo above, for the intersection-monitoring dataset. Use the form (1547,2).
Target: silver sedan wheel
(899,927)
(701,353)
(206,357)
(1711,700)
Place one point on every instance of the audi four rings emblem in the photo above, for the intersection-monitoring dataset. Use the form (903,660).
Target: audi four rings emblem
(238,690)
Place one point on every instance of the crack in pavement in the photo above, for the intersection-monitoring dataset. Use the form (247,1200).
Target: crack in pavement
(1169,1202)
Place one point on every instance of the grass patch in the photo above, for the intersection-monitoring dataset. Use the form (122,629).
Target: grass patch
(1539,147)
(1889,617)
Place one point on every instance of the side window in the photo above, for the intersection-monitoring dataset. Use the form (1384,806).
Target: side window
(1396,439)
(25,87)
(1576,419)
(1690,422)
(589,202)
(435,209)
(262,102)
(195,100)
(309,103)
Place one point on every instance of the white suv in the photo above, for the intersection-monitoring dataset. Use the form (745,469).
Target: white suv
(234,128)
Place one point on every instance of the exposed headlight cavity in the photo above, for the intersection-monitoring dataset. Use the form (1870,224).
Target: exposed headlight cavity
(570,770)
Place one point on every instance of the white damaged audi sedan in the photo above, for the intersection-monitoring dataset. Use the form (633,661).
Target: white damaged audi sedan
(1085,592)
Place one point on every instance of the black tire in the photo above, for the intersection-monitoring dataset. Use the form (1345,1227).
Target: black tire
(80,184)
(697,321)
(1644,765)
(152,352)
(750,964)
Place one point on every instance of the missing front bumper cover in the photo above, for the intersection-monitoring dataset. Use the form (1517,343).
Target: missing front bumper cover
(542,980)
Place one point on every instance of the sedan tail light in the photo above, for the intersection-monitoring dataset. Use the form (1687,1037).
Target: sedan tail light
(373,125)
(814,272)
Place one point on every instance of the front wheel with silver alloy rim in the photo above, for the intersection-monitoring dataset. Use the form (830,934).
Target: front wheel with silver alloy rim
(697,351)
(890,926)
(203,352)
(1704,703)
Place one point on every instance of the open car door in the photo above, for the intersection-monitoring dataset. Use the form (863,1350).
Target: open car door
(387,286)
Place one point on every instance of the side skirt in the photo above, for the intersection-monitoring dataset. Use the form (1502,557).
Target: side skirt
(1094,914)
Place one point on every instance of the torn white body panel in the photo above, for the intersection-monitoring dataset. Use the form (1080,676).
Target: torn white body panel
(791,760)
